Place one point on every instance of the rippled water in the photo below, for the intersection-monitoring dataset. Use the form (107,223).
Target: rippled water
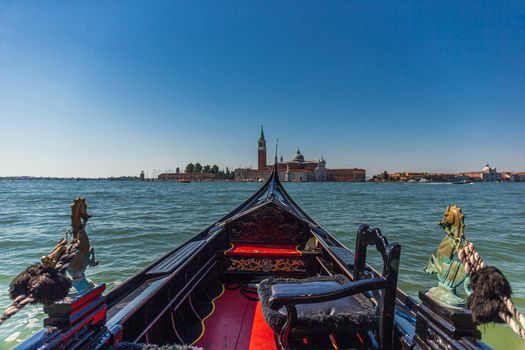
(135,222)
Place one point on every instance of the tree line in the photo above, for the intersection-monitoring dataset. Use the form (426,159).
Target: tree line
(207,169)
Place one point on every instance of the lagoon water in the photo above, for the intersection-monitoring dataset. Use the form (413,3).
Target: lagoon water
(135,222)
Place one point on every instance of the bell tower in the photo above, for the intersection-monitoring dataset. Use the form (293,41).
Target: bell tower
(262,151)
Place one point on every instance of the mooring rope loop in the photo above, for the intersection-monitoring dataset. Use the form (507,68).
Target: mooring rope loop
(68,256)
(470,258)
(473,262)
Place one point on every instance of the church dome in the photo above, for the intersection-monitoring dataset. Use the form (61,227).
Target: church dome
(486,169)
(298,157)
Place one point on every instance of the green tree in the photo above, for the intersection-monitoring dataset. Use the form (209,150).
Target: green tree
(385,176)
(190,168)
(177,170)
(229,174)
(215,169)
(206,168)
(198,168)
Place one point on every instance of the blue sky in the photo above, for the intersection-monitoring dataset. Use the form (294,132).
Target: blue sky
(110,88)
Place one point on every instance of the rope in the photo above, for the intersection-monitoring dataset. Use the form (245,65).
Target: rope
(16,306)
(68,256)
(513,324)
(470,258)
(61,266)
(473,263)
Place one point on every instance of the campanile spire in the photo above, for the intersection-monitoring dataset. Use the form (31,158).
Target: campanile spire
(261,152)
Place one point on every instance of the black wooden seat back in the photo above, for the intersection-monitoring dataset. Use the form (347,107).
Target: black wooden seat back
(390,253)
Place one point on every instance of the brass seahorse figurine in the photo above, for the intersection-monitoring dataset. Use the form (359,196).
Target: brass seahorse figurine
(450,271)
(86,254)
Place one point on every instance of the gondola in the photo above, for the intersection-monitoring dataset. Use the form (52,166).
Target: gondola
(265,276)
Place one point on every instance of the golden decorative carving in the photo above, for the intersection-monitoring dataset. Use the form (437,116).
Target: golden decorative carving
(287,265)
(248,265)
(266,265)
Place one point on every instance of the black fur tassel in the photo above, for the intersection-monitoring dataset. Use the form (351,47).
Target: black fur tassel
(489,287)
(45,284)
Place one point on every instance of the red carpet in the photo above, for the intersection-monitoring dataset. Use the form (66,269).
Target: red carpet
(241,249)
(236,323)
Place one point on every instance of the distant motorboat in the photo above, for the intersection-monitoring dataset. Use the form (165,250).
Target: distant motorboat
(462,182)
(423,180)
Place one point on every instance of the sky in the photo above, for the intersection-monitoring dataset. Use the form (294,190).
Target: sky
(110,88)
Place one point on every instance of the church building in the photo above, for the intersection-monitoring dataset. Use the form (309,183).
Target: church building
(297,169)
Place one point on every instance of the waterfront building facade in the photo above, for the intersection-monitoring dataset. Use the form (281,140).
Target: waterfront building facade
(297,169)
(489,174)
(517,177)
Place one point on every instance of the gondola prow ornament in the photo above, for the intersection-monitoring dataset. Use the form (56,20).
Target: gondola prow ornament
(444,262)
(86,254)
(488,291)
(46,282)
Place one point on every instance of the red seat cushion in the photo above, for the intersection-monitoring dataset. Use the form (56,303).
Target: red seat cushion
(244,249)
